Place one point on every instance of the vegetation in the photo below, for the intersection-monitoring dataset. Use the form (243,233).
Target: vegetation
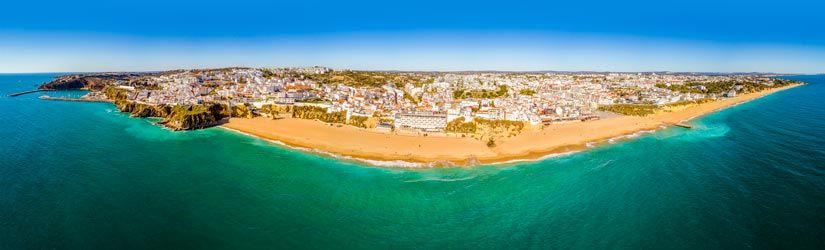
(409,97)
(315,100)
(386,120)
(628,91)
(181,111)
(359,78)
(498,128)
(491,143)
(458,94)
(115,94)
(269,74)
(363,121)
(483,129)
(358,121)
(462,94)
(185,117)
(242,111)
(459,126)
(631,109)
(275,111)
(517,125)
(528,92)
(318,113)
(719,87)
(682,103)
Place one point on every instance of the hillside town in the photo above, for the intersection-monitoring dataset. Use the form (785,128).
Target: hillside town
(429,101)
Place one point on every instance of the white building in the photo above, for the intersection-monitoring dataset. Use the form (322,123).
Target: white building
(422,120)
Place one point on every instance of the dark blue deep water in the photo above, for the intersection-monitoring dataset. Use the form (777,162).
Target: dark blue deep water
(81,175)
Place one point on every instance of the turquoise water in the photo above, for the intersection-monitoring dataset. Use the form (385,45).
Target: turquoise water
(81,175)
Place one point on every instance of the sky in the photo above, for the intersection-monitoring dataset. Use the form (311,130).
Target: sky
(686,36)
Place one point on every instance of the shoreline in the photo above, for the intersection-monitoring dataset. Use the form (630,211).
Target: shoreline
(397,150)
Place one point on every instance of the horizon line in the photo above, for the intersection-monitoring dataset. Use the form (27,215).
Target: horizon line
(430,71)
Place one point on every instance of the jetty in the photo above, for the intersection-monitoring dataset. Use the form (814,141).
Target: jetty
(69,99)
(683,125)
(27,92)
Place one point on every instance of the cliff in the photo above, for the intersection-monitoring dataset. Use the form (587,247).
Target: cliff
(143,110)
(241,111)
(194,117)
(77,82)
(179,117)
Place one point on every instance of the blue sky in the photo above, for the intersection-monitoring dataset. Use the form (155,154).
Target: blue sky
(719,36)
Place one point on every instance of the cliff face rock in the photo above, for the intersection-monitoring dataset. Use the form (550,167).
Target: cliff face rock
(195,116)
(143,110)
(241,111)
(180,117)
(177,117)
(190,121)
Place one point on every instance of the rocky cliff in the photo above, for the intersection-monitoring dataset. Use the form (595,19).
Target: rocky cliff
(179,117)
(189,121)
(143,110)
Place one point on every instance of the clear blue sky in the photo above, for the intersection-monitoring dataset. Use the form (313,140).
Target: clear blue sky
(721,36)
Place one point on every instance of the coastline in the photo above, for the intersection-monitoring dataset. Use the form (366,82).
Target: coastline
(398,150)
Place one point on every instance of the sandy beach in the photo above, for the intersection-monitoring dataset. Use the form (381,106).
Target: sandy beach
(529,145)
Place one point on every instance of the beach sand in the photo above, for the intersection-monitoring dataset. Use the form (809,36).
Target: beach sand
(529,145)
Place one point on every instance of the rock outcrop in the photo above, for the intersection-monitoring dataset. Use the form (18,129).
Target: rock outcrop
(190,121)
(178,117)
(143,110)
(92,81)
(76,82)
(182,117)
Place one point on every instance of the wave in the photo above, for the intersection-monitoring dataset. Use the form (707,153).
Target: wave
(616,139)
(444,179)
(603,164)
(545,157)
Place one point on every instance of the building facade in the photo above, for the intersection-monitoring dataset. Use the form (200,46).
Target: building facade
(425,121)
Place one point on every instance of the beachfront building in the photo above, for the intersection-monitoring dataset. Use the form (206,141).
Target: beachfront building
(425,121)
(427,101)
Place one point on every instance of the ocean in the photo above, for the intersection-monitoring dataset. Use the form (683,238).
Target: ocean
(82,175)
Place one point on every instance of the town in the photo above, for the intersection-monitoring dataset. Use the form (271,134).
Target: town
(434,101)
